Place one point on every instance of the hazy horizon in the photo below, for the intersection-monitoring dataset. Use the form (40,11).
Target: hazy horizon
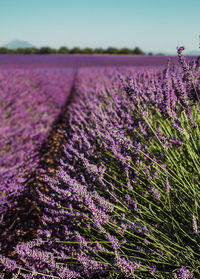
(152,25)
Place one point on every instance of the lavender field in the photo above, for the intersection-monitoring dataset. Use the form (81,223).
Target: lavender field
(99,166)
(77,61)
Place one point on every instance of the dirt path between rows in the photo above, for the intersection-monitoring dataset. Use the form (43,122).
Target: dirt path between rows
(22,221)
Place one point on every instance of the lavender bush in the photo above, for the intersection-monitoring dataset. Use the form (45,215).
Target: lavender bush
(124,199)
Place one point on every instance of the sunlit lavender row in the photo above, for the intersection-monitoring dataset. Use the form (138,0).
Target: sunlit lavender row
(28,107)
(123,199)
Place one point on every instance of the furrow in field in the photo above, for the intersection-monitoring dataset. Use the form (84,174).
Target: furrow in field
(22,218)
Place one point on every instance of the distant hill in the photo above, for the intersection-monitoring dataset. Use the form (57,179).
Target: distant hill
(18,44)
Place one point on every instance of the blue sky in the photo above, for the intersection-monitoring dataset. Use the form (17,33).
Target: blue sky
(157,25)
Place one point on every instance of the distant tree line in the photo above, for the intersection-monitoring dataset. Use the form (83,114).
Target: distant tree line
(74,50)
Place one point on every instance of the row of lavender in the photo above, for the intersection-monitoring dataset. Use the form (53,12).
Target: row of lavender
(28,107)
(124,202)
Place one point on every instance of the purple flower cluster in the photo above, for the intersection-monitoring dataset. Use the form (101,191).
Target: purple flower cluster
(183,273)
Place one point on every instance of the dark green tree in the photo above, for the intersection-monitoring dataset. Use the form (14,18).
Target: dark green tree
(45,50)
(4,50)
(75,50)
(99,50)
(111,50)
(125,50)
(19,50)
(63,50)
(31,50)
(137,51)
(88,50)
